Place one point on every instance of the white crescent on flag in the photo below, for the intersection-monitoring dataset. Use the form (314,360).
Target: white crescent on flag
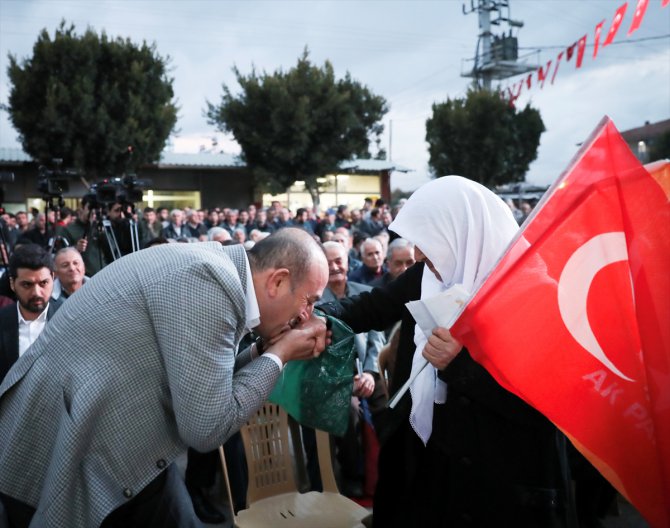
(574,285)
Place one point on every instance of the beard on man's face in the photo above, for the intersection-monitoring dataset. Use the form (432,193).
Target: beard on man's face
(35,304)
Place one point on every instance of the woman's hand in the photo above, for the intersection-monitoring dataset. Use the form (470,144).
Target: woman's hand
(364,385)
(304,341)
(441,348)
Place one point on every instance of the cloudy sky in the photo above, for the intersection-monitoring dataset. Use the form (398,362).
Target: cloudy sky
(410,52)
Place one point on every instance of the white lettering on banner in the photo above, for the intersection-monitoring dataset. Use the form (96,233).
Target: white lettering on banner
(641,415)
(637,412)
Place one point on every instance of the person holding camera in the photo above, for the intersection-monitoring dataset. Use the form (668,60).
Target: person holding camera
(81,233)
(118,242)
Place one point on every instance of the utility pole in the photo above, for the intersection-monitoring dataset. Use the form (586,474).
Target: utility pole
(497,56)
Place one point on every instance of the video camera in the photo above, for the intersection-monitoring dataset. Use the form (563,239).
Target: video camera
(126,190)
(101,196)
(53,183)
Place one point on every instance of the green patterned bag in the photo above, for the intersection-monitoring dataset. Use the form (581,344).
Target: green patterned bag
(317,392)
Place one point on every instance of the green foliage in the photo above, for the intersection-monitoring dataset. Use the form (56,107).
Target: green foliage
(300,124)
(483,137)
(86,98)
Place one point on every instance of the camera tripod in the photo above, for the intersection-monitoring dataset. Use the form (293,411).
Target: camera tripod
(105,225)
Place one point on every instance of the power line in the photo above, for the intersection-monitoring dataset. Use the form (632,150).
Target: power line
(631,41)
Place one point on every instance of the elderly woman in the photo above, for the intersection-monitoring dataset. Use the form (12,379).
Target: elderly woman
(458,449)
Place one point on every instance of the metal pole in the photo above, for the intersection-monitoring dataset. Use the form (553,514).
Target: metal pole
(485,25)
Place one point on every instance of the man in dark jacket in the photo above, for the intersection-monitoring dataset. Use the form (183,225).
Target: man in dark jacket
(31,279)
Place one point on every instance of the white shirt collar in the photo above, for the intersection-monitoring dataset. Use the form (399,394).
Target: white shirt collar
(41,318)
(30,330)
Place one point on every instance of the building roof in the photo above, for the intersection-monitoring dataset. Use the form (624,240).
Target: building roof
(521,191)
(14,156)
(372,165)
(201,159)
(216,160)
(646,131)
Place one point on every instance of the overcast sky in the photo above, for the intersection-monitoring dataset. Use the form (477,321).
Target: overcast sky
(410,52)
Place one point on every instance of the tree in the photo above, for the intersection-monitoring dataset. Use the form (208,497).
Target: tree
(86,99)
(483,137)
(298,125)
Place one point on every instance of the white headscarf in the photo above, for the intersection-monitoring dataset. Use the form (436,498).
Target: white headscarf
(463,229)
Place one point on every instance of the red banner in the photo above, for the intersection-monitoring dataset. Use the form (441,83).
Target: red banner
(558,61)
(581,45)
(543,73)
(618,18)
(638,16)
(585,289)
(596,38)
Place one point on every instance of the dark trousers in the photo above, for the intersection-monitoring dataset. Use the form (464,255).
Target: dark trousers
(202,468)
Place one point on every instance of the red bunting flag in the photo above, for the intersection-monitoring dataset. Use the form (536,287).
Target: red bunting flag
(511,95)
(570,51)
(616,22)
(529,81)
(558,61)
(586,286)
(543,73)
(596,37)
(638,16)
(581,45)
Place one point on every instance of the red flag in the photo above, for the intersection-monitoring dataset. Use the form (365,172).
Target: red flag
(518,90)
(570,50)
(511,96)
(543,73)
(529,80)
(596,38)
(660,171)
(586,286)
(581,44)
(665,3)
(558,61)
(616,22)
(638,16)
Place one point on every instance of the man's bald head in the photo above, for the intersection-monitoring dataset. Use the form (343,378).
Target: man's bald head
(290,271)
(290,248)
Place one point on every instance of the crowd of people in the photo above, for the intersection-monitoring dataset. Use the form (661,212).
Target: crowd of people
(457,450)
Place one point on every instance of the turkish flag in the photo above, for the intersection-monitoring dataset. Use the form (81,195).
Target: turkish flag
(581,46)
(542,73)
(638,16)
(596,38)
(618,18)
(585,288)
(558,61)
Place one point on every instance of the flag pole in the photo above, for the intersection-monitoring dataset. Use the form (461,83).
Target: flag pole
(401,392)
